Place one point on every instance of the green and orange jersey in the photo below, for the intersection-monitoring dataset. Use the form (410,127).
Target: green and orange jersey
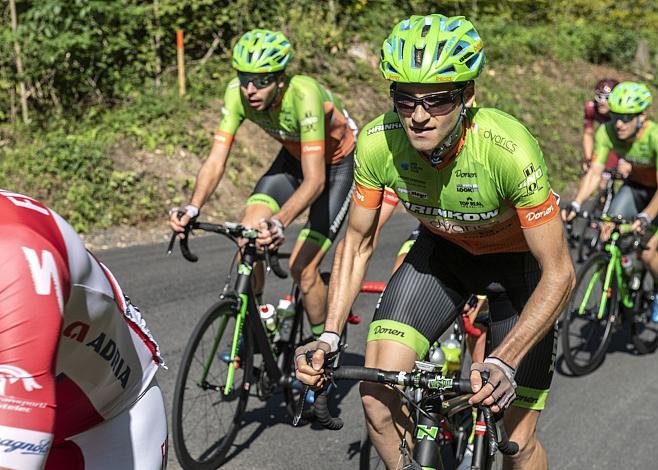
(307,119)
(641,152)
(496,186)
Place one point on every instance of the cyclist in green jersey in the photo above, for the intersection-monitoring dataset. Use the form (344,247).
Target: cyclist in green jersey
(476,180)
(632,136)
(313,169)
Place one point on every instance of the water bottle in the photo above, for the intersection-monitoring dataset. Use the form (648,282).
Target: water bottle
(452,350)
(268,317)
(627,265)
(285,313)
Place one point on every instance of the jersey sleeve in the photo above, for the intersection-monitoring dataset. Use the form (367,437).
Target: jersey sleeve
(232,114)
(524,177)
(369,183)
(602,145)
(34,283)
(309,108)
(588,118)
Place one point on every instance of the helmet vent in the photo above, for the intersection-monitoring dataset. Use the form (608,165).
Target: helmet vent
(425,30)
(418,57)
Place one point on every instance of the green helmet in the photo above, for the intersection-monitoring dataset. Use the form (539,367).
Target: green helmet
(432,49)
(629,98)
(261,51)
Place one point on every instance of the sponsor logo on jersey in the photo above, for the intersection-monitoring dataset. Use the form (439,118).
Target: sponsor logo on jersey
(380,330)
(500,141)
(309,123)
(465,174)
(26,448)
(469,202)
(311,148)
(359,196)
(449,214)
(13,374)
(410,166)
(413,193)
(531,179)
(537,215)
(385,127)
(467,188)
(107,349)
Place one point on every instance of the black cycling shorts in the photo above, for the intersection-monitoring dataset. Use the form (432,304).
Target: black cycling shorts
(328,211)
(425,295)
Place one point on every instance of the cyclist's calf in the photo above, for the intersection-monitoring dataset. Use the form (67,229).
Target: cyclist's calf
(521,425)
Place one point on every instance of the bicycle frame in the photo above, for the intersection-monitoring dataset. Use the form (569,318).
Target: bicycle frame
(614,268)
(247,315)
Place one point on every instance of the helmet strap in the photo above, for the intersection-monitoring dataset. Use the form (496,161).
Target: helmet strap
(444,149)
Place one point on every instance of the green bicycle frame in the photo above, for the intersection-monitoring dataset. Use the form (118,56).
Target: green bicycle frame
(613,269)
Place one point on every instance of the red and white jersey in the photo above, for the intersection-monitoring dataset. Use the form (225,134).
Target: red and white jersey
(73,351)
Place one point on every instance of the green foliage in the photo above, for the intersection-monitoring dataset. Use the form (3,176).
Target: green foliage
(101,74)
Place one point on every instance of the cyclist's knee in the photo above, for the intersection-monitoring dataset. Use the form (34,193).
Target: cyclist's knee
(521,425)
(377,400)
(305,275)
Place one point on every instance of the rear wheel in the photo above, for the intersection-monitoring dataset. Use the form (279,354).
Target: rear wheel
(585,337)
(205,421)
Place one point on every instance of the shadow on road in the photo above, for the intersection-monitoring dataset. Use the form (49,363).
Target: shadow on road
(274,412)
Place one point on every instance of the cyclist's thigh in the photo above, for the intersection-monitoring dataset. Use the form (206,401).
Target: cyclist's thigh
(279,182)
(624,203)
(420,301)
(135,439)
(329,210)
(535,373)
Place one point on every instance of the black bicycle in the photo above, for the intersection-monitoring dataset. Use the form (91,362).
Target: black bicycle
(229,352)
(587,238)
(441,413)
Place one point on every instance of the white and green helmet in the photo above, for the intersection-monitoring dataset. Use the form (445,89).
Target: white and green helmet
(432,49)
(261,51)
(629,98)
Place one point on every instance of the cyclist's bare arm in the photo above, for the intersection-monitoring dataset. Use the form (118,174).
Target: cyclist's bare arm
(588,143)
(209,176)
(347,274)
(313,169)
(590,182)
(210,173)
(349,270)
(549,247)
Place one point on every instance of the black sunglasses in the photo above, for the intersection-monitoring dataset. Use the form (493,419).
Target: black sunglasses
(260,80)
(436,104)
(625,118)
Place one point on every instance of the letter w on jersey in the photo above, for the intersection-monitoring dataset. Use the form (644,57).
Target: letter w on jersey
(44,274)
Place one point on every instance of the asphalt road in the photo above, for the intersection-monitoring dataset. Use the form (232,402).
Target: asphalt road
(606,420)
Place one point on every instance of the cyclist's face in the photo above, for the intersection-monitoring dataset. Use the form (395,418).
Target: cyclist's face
(260,98)
(602,106)
(626,130)
(424,130)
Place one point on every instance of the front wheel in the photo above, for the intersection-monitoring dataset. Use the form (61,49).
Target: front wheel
(644,332)
(205,420)
(585,336)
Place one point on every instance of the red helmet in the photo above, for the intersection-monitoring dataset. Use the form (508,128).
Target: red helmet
(604,87)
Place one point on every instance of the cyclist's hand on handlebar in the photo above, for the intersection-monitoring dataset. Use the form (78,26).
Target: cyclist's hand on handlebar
(624,167)
(641,223)
(570,212)
(311,374)
(500,389)
(178,224)
(270,233)
(585,164)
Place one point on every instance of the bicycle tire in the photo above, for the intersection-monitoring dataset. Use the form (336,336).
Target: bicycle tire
(644,332)
(599,331)
(191,454)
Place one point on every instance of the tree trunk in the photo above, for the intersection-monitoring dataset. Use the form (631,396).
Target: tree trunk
(19,63)
(157,36)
